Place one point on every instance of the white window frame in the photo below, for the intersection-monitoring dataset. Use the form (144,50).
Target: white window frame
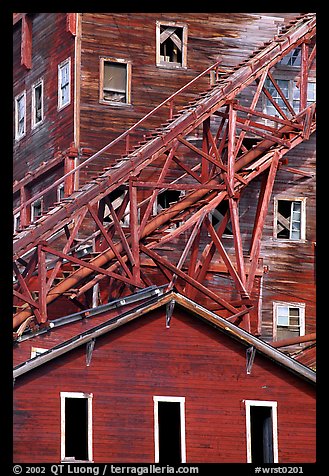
(39,200)
(62,105)
(38,83)
(17,217)
(262,403)
(60,190)
(181,401)
(127,63)
(20,96)
(170,64)
(89,396)
(302,218)
(299,305)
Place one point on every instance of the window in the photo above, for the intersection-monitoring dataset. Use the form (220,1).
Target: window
(76,426)
(64,79)
(37,103)
(20,115)
(17,221)
(217,216)
(60,192)
(289,219)
(290,92)
(261,427)
(288,320)
(115,79)
(171,41)
(293,58)
(164,200)
(36,210)
(169,430)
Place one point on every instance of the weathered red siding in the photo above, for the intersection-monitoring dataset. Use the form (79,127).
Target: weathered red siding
(144,358)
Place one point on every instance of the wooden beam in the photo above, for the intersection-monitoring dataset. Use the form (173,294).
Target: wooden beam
(26,42)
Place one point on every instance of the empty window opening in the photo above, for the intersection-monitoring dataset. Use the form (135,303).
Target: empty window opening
(17,221)
(20,115)
(169,430)
(37,103)
(261,434)
(167,198)
(115,81)
(290,220)
(171,44)
(289,320)
(76,426)
(262,443)
(60,192)
(64,97)
(217,216)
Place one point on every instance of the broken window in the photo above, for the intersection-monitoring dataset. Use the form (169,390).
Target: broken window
(293,58)
(115,81)
(64,96)
(37,103)
(262,439)
(20,115)
(289,219)
(169,421)
(36,209)
(76,421)
(291,92)
(289,320)
(171,44)
(217,216)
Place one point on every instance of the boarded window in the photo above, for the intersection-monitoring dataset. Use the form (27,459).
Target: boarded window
(171,44)
(290,219)
(37,103)
(20,115)
(115,81)
(64,96)
(289,320)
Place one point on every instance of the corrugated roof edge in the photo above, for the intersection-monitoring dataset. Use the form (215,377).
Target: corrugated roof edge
(154,303)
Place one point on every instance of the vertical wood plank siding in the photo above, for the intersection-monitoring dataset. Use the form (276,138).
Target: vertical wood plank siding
(144,358)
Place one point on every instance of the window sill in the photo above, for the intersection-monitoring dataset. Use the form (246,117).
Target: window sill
(170,65)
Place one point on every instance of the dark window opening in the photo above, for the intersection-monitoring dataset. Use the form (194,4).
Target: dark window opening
(217,216)
(169,432)
(38,104)
(76,428)
(261,434)
(167,198)
(171,41)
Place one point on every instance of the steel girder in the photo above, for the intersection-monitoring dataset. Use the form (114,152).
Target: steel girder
(53,258)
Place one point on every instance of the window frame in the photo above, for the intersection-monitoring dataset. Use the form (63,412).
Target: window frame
(302,238)
(298,305)
(39,200)
(262,403)
(34,86)
(110,59)
(17,221)
(181,401)
(18,135)
(89,397)
(60,67)
(170,64)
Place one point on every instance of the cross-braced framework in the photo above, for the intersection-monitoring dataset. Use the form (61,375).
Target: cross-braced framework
(160,214)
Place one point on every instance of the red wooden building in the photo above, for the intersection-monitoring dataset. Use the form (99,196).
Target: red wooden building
(162,158)
(165,381)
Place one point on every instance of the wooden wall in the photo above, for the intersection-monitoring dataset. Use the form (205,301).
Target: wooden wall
(143,359)
(51,44)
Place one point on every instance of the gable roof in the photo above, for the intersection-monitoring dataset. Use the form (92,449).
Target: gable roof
(154,303)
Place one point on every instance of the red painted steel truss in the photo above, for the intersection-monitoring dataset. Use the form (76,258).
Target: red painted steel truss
(116,229)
